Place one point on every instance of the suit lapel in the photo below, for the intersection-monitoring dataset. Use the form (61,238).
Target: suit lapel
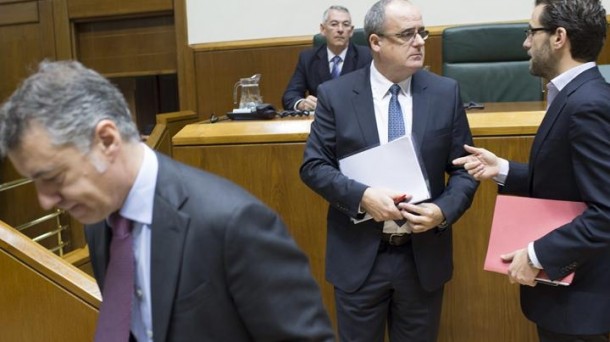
(351,57)
(98,240)
(168,232)
(322,68)
(556,108)
(421,105)
(364,109)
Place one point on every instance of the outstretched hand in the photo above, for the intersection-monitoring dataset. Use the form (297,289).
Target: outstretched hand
(480,164)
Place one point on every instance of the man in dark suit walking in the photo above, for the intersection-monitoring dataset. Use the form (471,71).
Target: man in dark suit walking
(385,271)
(569,160)
(191,256)
(337,57)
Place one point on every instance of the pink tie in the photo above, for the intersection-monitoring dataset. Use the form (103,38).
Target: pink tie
(114,320)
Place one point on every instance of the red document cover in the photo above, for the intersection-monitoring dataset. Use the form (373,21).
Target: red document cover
(518,221)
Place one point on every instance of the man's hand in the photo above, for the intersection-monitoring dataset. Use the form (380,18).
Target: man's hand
(309,103)
(481,164)
(520,270)
(423,216)
(381,204)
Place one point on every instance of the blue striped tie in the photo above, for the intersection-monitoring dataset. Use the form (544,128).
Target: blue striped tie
(334,73)
(396,124)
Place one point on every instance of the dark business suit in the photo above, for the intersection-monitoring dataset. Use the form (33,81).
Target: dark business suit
(344,124)
(223,267)
(570,160)
(312,69)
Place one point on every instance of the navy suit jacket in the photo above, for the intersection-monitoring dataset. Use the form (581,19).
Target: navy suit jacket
(313,69)
(223,267)
(344,124)
(570,160)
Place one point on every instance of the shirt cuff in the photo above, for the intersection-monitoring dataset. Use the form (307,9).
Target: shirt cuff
(532,255)
(503,167)
(296,104)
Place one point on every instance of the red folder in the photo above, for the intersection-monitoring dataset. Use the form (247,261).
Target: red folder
(518,221)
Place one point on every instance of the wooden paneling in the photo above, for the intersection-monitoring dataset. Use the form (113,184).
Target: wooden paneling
(43,297)
(128,47)
(216,72)
(480,305)
(100,8)
(186,64)
(19,13)
(24,46)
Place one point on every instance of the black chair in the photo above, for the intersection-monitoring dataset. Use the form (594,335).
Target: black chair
(489,62)
(358,38)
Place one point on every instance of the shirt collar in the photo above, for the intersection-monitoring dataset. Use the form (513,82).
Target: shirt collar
(562,80)
(330,54)
(138,205)
(381,85)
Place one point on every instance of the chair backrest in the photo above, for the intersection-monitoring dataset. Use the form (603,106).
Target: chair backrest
(358,38)
(489,62)
(605,70)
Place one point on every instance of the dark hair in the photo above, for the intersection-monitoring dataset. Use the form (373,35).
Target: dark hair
(584,21)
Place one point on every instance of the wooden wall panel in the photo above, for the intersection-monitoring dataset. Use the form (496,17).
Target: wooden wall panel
(128,47)
(100,8)
(480,305)
(24,46)
(216,72)
(19,13)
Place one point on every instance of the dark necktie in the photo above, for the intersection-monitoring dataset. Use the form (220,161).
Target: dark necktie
(334,73)
(396,124)
(114,320)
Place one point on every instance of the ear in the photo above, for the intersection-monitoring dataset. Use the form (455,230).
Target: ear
(322,30)
(374,42)
(107,138)
(560,38)
(351,31)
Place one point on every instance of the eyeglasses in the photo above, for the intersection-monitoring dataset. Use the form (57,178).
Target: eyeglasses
(530,31)
(407,36)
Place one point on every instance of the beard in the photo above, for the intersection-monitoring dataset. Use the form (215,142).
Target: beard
(543,62)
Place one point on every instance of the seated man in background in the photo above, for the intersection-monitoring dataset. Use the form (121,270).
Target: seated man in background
(319,64)
(179,254)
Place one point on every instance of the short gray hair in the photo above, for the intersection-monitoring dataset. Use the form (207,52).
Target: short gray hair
(68,100)
(374,19)
(333,7)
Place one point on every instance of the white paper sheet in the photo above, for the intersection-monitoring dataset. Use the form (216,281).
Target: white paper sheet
(393,166)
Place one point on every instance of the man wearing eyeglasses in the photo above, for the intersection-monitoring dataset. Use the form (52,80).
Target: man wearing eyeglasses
(569,160)
(337,57)
(388,272)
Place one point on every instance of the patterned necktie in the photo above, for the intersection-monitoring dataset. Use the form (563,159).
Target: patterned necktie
(396,124)
(114,320)
(334,73)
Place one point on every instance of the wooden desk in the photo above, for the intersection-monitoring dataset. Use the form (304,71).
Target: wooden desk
(264,157)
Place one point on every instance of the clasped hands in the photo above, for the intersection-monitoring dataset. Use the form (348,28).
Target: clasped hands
(483,164)
(381,205)
(309,103)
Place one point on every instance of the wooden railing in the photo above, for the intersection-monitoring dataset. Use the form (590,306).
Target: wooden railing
(43,297)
